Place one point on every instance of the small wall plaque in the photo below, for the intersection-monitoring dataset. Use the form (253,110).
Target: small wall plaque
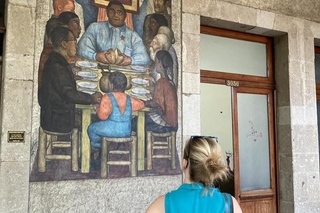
(232,83)
(15,136)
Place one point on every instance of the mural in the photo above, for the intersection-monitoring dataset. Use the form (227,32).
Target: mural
(108,97)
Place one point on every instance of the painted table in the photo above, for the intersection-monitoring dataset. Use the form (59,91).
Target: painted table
(93,72)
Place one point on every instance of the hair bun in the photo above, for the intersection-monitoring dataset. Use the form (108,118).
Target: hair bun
(215,166)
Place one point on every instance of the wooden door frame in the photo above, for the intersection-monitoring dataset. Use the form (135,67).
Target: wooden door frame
(245,80)
(256,194)
(248,84)
(317,51)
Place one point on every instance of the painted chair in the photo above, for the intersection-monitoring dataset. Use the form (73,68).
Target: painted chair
(106,161)
(169,145)
(48,141)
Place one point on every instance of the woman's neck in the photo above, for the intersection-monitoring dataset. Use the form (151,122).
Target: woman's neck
(187,176)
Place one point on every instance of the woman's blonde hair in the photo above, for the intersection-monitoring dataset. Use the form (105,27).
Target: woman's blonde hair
(204,157)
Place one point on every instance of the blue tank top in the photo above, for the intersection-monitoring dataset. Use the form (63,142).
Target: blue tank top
(190,198)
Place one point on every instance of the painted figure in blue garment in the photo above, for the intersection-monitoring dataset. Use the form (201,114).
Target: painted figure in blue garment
(112,42)
(138,19)
(116,125)
(114,111)
(90,12)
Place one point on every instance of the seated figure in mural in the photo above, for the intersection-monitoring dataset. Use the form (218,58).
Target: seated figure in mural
(112,42)
(58,92)
(151,29)
(163,116)
(162,42)
(202,165)
(114,111)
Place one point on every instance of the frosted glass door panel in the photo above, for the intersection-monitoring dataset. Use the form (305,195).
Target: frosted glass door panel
(253,142)
(232,56)
(317,67)
(216,117)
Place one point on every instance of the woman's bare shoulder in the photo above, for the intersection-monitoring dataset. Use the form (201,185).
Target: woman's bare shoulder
(236,206)
(157,206)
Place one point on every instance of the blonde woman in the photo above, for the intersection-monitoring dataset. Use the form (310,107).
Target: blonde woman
(202,166)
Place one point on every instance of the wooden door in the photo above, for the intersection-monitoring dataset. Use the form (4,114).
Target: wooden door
(254,151)
(252,98)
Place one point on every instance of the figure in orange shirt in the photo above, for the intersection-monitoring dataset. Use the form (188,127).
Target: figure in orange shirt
(115,111)
(60,6)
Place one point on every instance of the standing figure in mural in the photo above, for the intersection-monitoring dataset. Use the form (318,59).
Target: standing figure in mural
(163,41)
(60,6)
(58,93)
(66,19)
(159,42)
(138,18)
(71,20)
(163,116)
(48,47)
(168,32)
(161,7)
(112,42)
(148,7)
(114,111)
(202,167)
(151,29)
(90,12)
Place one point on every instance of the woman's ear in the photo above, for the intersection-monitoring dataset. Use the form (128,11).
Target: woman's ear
(184,164)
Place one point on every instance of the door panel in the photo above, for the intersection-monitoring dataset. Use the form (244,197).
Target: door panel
(216,106)
(264,206)
(254,139)
(247,206)
(258,206)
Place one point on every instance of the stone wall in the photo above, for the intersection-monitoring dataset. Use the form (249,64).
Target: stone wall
(16,104)
(307,9)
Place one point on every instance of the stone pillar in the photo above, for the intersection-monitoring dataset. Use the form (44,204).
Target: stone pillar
(16,104)
(284,128)
(190,69)
(297,139)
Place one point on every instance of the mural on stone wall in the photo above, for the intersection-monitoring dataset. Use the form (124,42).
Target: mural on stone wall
(108,92)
